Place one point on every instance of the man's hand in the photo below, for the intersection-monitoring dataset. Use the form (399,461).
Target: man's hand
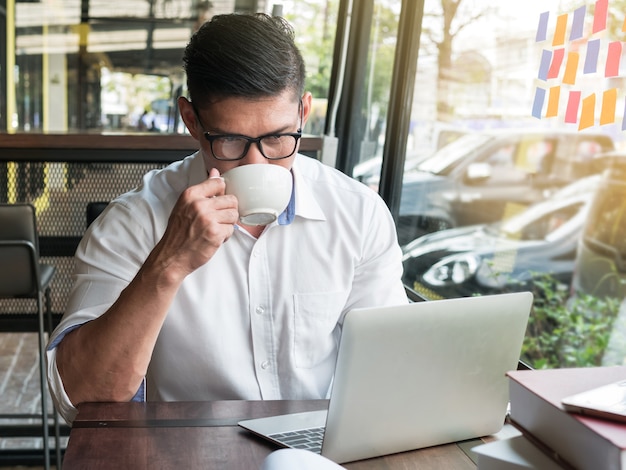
(201,221)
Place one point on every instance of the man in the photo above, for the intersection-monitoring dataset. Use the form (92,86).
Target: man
(175,299)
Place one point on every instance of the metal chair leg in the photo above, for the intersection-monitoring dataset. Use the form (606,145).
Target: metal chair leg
(43,383)
(55,414)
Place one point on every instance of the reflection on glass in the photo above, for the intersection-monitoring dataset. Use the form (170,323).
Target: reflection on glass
(505,205)
(118,67)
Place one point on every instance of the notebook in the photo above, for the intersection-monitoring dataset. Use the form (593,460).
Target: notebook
(413,376)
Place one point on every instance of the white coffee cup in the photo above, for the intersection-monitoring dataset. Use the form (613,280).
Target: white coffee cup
(262,189)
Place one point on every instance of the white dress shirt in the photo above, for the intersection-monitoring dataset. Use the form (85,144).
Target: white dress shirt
(260,320)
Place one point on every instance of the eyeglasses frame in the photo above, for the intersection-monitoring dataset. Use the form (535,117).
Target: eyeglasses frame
(250,140)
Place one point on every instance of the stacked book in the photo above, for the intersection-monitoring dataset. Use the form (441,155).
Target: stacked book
(552,437)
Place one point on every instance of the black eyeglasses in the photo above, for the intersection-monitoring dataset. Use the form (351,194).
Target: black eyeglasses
(235,147)
(272,146)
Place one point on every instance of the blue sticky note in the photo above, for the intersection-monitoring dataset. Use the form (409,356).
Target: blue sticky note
(542,27)
(578,22)
(544,65)
(591,59)
(540,96)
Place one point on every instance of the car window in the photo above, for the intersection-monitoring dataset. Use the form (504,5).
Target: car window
(445,160)
(508,163)
(586,149)
(607,223)
(503,155)
(538,222)
(581,186)
(537,156)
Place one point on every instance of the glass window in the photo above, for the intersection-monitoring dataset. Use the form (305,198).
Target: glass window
(107,68)
(502,205)
(517,110)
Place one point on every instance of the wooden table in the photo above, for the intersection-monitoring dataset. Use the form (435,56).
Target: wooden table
(205,435)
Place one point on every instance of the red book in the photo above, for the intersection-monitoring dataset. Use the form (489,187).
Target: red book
(574,440)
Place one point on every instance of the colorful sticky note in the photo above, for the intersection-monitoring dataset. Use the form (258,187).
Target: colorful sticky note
(542,27)
(609,100)
(571,67)
(557,60)
(544,65)
(571,112)
(553,101)
(540,96)
(582,46)
(600,15)
(559,31)
(613,56)
(578,23)
(587,113)
(591,59)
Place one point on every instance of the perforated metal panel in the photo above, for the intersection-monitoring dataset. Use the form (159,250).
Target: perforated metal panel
(60,192)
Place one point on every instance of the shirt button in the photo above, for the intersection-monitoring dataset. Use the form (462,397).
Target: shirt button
(265,364)
(260,310)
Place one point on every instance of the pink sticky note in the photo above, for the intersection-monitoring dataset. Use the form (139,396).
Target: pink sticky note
(571,112)
(557,60)
(600,15)
(613,56)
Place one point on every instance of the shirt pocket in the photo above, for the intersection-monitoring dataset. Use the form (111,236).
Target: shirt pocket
(316,334)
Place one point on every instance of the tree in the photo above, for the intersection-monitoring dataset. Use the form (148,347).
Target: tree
(440,29)
(315,23)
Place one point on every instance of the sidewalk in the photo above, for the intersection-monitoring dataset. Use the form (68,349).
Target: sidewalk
(19,386)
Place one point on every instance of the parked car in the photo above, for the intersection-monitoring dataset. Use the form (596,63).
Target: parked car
(601,258)
(437,135)
(484,176)
(502,257)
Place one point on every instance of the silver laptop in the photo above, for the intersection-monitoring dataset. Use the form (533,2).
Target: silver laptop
(413,376)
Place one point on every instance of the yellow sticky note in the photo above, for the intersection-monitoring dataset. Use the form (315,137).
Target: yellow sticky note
(571,66)
(559,31)
(553,101)
(587,113)
(609,100)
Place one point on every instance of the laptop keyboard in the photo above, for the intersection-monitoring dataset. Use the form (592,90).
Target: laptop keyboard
(308,439)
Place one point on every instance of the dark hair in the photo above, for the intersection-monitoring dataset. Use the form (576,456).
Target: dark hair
(243,55)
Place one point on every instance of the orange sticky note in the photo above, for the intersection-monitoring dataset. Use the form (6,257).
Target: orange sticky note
(559,31)
(587,116)
(553,101)
(571,66)
(609,100)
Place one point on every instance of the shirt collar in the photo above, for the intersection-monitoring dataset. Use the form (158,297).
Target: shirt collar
(302,196)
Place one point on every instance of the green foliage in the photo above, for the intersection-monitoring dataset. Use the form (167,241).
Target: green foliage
(315,24)
(570,332)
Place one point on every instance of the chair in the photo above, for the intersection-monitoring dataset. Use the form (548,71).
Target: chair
(94,209)
(22,276)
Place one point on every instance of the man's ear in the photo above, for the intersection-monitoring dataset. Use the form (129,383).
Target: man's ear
(307,103)
(188,114)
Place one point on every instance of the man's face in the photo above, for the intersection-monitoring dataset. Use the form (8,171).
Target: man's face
(248,117)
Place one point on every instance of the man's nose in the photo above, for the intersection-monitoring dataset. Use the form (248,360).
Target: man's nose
(254,154)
